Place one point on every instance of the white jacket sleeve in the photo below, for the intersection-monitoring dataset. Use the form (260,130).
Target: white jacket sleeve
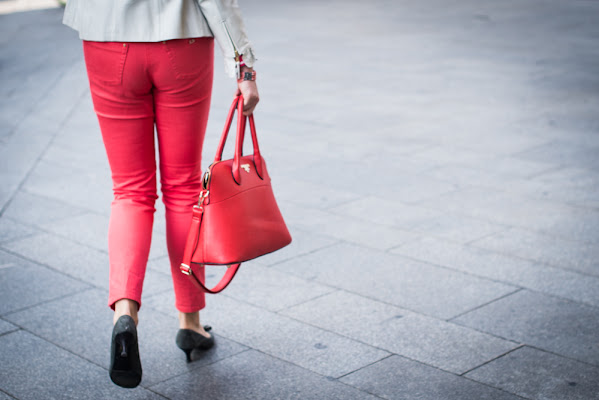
(226,24)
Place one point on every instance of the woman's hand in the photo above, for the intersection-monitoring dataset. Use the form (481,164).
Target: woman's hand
(249,91)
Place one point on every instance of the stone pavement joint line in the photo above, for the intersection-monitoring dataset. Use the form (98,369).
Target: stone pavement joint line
(437,167)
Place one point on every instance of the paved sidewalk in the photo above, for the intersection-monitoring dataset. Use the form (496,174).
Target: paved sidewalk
(437,163)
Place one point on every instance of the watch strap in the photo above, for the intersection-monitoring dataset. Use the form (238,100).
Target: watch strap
(248,76)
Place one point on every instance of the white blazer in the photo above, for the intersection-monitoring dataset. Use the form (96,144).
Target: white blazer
(158,20)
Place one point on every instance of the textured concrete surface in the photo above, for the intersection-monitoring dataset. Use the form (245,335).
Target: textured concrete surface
(437,164)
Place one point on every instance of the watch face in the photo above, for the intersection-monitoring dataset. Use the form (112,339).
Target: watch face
(249,76)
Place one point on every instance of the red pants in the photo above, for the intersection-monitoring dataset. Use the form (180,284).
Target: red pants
(135,86)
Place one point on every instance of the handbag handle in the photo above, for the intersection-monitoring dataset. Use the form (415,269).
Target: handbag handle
(241,123)
(192,240)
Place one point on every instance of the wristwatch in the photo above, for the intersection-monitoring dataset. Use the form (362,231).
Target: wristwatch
(247,76)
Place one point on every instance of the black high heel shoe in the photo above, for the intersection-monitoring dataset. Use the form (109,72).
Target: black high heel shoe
(125,366)
(187,340)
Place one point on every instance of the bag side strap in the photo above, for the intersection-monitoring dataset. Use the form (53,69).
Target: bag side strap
(190,245)
(220,286)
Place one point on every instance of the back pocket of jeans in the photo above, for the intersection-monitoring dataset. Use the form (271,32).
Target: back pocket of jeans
(188,57)
(105,61)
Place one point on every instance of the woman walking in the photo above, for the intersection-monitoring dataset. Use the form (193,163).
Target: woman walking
(150,66)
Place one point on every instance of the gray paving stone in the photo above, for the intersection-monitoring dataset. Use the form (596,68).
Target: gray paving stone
(504,268)
(345,176)
(76,260)
(6,327)
(78,152)
(161,359)
(58,105)
(70,146)
(156,282)
(91,229)
(57,373)
(303,242)
(61,53)
(28,50)
(417,188)
(159,227)
(346,228)
(317,350)
(26,133)
(325,141)
(19,154)
(564,152)
(535,374)
(560,326)
(311,194)
(49,112)
(504,166)
(456,228)
(253,375)
(570,185)
(73,259)
(399,378)
(508,144)
(35,209)
(441,344)
(468,176)
(348,314)
(4,396)
(25,284)
(64,184)
(438,343)
(393,279)
(443,154)
(10,230)
(161,265)
(386,212)
(546,249)
(165,303)
(272,290)
(399,150)
(86,313)
(515,210)
(276,154)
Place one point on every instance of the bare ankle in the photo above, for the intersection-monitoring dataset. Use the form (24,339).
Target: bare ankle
(191,321)
(125,307)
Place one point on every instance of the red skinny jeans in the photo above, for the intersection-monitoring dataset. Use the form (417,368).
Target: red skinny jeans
(134,87)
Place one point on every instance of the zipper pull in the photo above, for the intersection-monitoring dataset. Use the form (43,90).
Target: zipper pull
(237,57)
(206,179)
(237,65)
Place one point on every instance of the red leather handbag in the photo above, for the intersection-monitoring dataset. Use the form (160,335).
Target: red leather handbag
(237,218)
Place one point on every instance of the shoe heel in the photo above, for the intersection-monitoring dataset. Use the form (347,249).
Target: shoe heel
(188,354)
(122,342)
(125,366)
